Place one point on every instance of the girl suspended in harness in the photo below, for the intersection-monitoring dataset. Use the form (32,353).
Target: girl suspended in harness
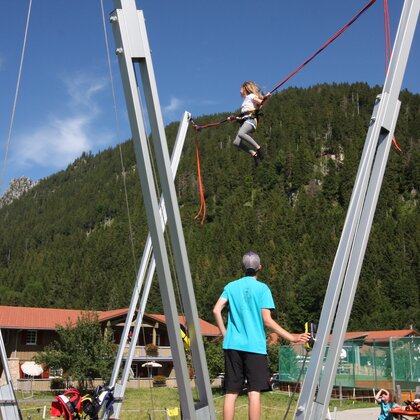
(248,118)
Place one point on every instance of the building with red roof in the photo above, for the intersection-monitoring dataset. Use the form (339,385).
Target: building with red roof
(26,332)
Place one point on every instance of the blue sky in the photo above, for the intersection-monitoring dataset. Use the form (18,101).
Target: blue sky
(202,51)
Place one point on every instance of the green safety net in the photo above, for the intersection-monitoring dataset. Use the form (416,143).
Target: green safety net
(363,366)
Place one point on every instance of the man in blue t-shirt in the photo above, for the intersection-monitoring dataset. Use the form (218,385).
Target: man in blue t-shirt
(250,304)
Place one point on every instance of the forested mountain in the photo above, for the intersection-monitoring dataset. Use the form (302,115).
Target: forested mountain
(67,242)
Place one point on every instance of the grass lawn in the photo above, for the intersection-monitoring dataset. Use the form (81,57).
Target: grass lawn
(140,402)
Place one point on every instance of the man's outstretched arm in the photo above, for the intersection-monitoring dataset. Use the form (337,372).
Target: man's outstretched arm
(270,323)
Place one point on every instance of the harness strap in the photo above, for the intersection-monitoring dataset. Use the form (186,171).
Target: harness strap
(253,114)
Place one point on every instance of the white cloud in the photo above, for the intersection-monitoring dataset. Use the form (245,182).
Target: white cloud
(83,88)
(174,105)
(60,139)
(56,144)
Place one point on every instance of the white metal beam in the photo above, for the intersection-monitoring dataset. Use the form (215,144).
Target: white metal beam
(142,288)
(134,53)
(345,272)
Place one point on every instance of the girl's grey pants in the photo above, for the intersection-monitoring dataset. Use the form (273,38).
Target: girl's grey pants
(243,138)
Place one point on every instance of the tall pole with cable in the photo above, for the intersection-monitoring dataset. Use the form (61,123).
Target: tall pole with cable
(347,264)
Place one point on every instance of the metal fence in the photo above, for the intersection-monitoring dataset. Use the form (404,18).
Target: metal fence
(363,366)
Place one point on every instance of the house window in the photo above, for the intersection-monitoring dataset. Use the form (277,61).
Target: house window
(135,370)
(56,372)
(31,337)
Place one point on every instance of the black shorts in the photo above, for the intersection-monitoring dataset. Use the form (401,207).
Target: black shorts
(241,366)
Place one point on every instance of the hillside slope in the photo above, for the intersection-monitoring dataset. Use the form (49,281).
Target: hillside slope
(67,243)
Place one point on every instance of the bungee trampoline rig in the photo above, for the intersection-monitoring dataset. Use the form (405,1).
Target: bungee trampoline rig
(132,49)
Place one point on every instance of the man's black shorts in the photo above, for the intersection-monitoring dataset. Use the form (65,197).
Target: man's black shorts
(241,365)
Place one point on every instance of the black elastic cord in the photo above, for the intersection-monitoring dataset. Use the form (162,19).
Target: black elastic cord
(297,384)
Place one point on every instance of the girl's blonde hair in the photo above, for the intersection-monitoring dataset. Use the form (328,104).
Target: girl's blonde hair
(392,396)
(252,87)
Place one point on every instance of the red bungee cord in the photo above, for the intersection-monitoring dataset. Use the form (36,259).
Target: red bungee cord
(197,128)
(202,210)
(319,50)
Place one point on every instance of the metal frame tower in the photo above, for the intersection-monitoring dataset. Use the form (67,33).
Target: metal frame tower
(141,291)
(346,268)
(138,78)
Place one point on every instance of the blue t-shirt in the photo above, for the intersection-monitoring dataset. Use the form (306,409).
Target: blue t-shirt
(385,407)
(245,329)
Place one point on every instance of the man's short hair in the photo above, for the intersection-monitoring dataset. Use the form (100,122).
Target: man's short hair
(251,263)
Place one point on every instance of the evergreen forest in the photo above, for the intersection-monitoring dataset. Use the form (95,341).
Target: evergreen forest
(75,239)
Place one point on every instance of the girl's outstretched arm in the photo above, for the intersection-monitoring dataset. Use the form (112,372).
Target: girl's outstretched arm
(378,395)
(259,101)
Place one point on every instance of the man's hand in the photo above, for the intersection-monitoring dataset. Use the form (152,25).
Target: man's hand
(302,338)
